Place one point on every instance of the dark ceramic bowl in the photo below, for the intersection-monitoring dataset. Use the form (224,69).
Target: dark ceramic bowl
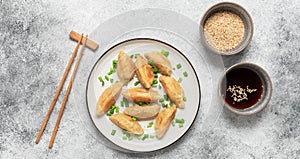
(266,89)
(238,10)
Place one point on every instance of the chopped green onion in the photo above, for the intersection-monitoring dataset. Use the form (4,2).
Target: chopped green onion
(117,109)
(107,78)
(173,68)
(159,86)
(155,75)
(150,124)
(155,82)
(130,138)
(180,80)
(145,136)
(111,80)
(108,113)
(117,81)
(126,102)
(180,125)
(139,137)
(166,97)
(111,111)
(140,103)
(136,83)
(115,63)
(164,52)
(185,74)
(111,71)
(179,120)
(164,105)
(131,56)
(149,62)
(184,99)
(148,103)
(133,118)
(178,66)
(136,55)
(161,100)
(154,85)
(113,132)
(124,131)
(171,103)
(101,80)
(122,103)
(155,70)
(152,137)
(128,135)
(173,123)
(124,138)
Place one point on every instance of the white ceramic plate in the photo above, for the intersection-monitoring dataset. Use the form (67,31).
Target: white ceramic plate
(189,84)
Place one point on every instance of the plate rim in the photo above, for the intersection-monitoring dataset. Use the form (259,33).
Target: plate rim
(146,39)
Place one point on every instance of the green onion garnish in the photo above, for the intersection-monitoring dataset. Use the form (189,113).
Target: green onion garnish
(130,138)
(155,81)
(149,62)
(155,70)
(145,136)
(124,131)
(180,80)
(115,62)
(122,103)
(154,85)
(113,132)
(173,123)
(117,81)
(136,83)
(152,137)
(107,78)
(178,66)
(124,138)
(171,103)
(111,80)
(133,118)
(161,100)
(140,103)
(150,124)
(159,86)
(101,80)
(164,52)
(180,125)
(184,99)
(155,75)
(131,56)
(166,97)
(179,120)
(185,74)
(136,55)
(117,109)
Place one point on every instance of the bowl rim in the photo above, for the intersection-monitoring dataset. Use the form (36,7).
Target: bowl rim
(244,43)
(247,111)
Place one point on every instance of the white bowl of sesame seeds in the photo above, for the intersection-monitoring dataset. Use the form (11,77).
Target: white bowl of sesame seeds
(226,28)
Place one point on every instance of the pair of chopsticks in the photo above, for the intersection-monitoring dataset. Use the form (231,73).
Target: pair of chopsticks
(82,40)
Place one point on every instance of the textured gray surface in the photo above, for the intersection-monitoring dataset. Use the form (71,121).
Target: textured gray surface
(34,46)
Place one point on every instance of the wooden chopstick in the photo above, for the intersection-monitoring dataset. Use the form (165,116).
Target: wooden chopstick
(61,83)
(66,96)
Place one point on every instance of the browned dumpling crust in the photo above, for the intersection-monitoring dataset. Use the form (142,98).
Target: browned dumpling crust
(161,62)
(173,90)
(144,72)
(108,98)
(163,120)
(125,67)
(125,122)
(143,112)
(139,94)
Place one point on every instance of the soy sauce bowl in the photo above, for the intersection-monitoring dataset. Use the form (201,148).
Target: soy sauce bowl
(248,76)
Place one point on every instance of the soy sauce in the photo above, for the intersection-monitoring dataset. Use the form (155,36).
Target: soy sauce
(243,77)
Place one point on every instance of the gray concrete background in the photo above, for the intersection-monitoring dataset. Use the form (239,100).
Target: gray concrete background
(34,46)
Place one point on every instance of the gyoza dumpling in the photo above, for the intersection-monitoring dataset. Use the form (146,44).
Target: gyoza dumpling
(125,122)
(139,94)
(143,112)
(108,98)
(125,67)
(163,120)
(161,62)
(144,72)
(173,90)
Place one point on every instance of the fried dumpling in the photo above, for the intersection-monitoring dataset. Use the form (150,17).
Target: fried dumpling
(108,98)
(163,120)
(144,72)
(173,90)
(143,112)
(125,67)
(125,122)
(139,94)
(161,62)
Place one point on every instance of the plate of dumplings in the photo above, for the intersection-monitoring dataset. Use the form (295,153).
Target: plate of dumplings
(143,94)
